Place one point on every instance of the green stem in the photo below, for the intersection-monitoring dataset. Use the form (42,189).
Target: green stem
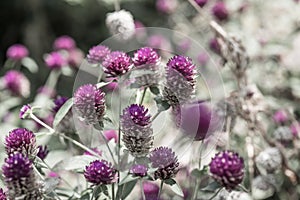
(52,79)
(143,95)
(113,191)
(117,5)
(110,151)
(142,189)
(41,123)
(211,198)
(160,188)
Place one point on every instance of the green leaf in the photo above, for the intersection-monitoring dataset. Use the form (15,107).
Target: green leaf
(30,64)
(50,184)
(128,187)
(154,90)
(212,187)
(97,191)
(162,104)
(199,173)
(102,84)
(128,178)
(62,112)
(174,187)
(86,196)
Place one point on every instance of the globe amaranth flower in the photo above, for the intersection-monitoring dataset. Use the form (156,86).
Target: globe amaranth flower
(59,102)
(97,54)
(284,135)
(159,42)
(151,190)
(146,62)
(139,170)
(75,57)
(166,6)
(121,22)
(25,111)
(166,162)
(203,58)
(19,178)
(180,80)
(2,195)
(269,161)
(89,103)
(100,172)
(227,168)
(201,3)
(280,116)
(136,129)
(64,43)
(214,45)
(55,60)
(17,52)
(116,64)
(42,152)
(22,141)
(110,134)
(184,46)
(17,83)
(220,11)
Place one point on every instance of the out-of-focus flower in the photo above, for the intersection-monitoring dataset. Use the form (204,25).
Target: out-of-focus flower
(215,46)
(166,6)
(137,131)
(140,30)
(22,141)
(227,168)
(25,111)
(53,175)
(280,116)
(75,57)
(295,129)
(42,152)
(220,11)
(122,23)
(17,83)
(89,103)
(116,64)
(45,90)
(201,3)
(202,58)
(19,178)
(97,54)
(139,170)
(2,195)
(150,190)
(283,134)
(180,84)
(236,195)
(166,162)
(111,134)
(96,150)
(59,102)
(184,46)
(269,161)
(55,60)
(64,43)
(100,172)
(261,188)
(17,52)
(159,42)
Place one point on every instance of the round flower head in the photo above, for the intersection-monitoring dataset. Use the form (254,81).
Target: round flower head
(116,64)
(22,141)
(180,75)
(201,3)
(220,11)
(25,111)
(139,170)
(203,58)
(295,129)
(137,131)
(121,22)
(19,178)
(284,135)
(55,60)
(97,54)
(64,43)
(166,161)
(59,102)
(42,152)
(184,46)
(110,134)
(166,6)
(151,190)
(89,103)
(100,172)
(75,58)
(227,168)
(280,116)
(145,56)
(2,195)
(17,83)
(269,161)
(215,46)
(17,52)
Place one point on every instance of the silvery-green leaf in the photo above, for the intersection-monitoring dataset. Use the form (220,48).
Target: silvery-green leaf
(174,187)
(62,112)
(30,64)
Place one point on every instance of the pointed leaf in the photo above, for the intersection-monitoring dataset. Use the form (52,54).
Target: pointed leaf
(174,187)
(62,112)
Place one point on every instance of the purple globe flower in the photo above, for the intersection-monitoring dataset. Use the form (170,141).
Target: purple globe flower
(89,103)
(280,116)
(19,178)
(159,42)
(97,54)
(24,111)
(59,102)
(64,43)
(166,6)
(151,190)
(215,46)
(100,172)
(2,195)
(22,141)
(220,11)
(166,161)
(145,56)
(201,3)
(184,46)
(139,170)
(295,129)
(55,60)
(203,58)
(17,52)
(110,134)
(137,131)
(75,57)
(42,152)
(227,168)
(116,64)
(17,83)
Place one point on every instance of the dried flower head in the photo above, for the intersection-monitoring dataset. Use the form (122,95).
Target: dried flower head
(89,103)
(17,52)
(22,141)
(17,83)
(227,168)
(166,161)
(100,172)
(121,22)
(116,64)
(136,129)
(97,54)
(284,135)
(269,161)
